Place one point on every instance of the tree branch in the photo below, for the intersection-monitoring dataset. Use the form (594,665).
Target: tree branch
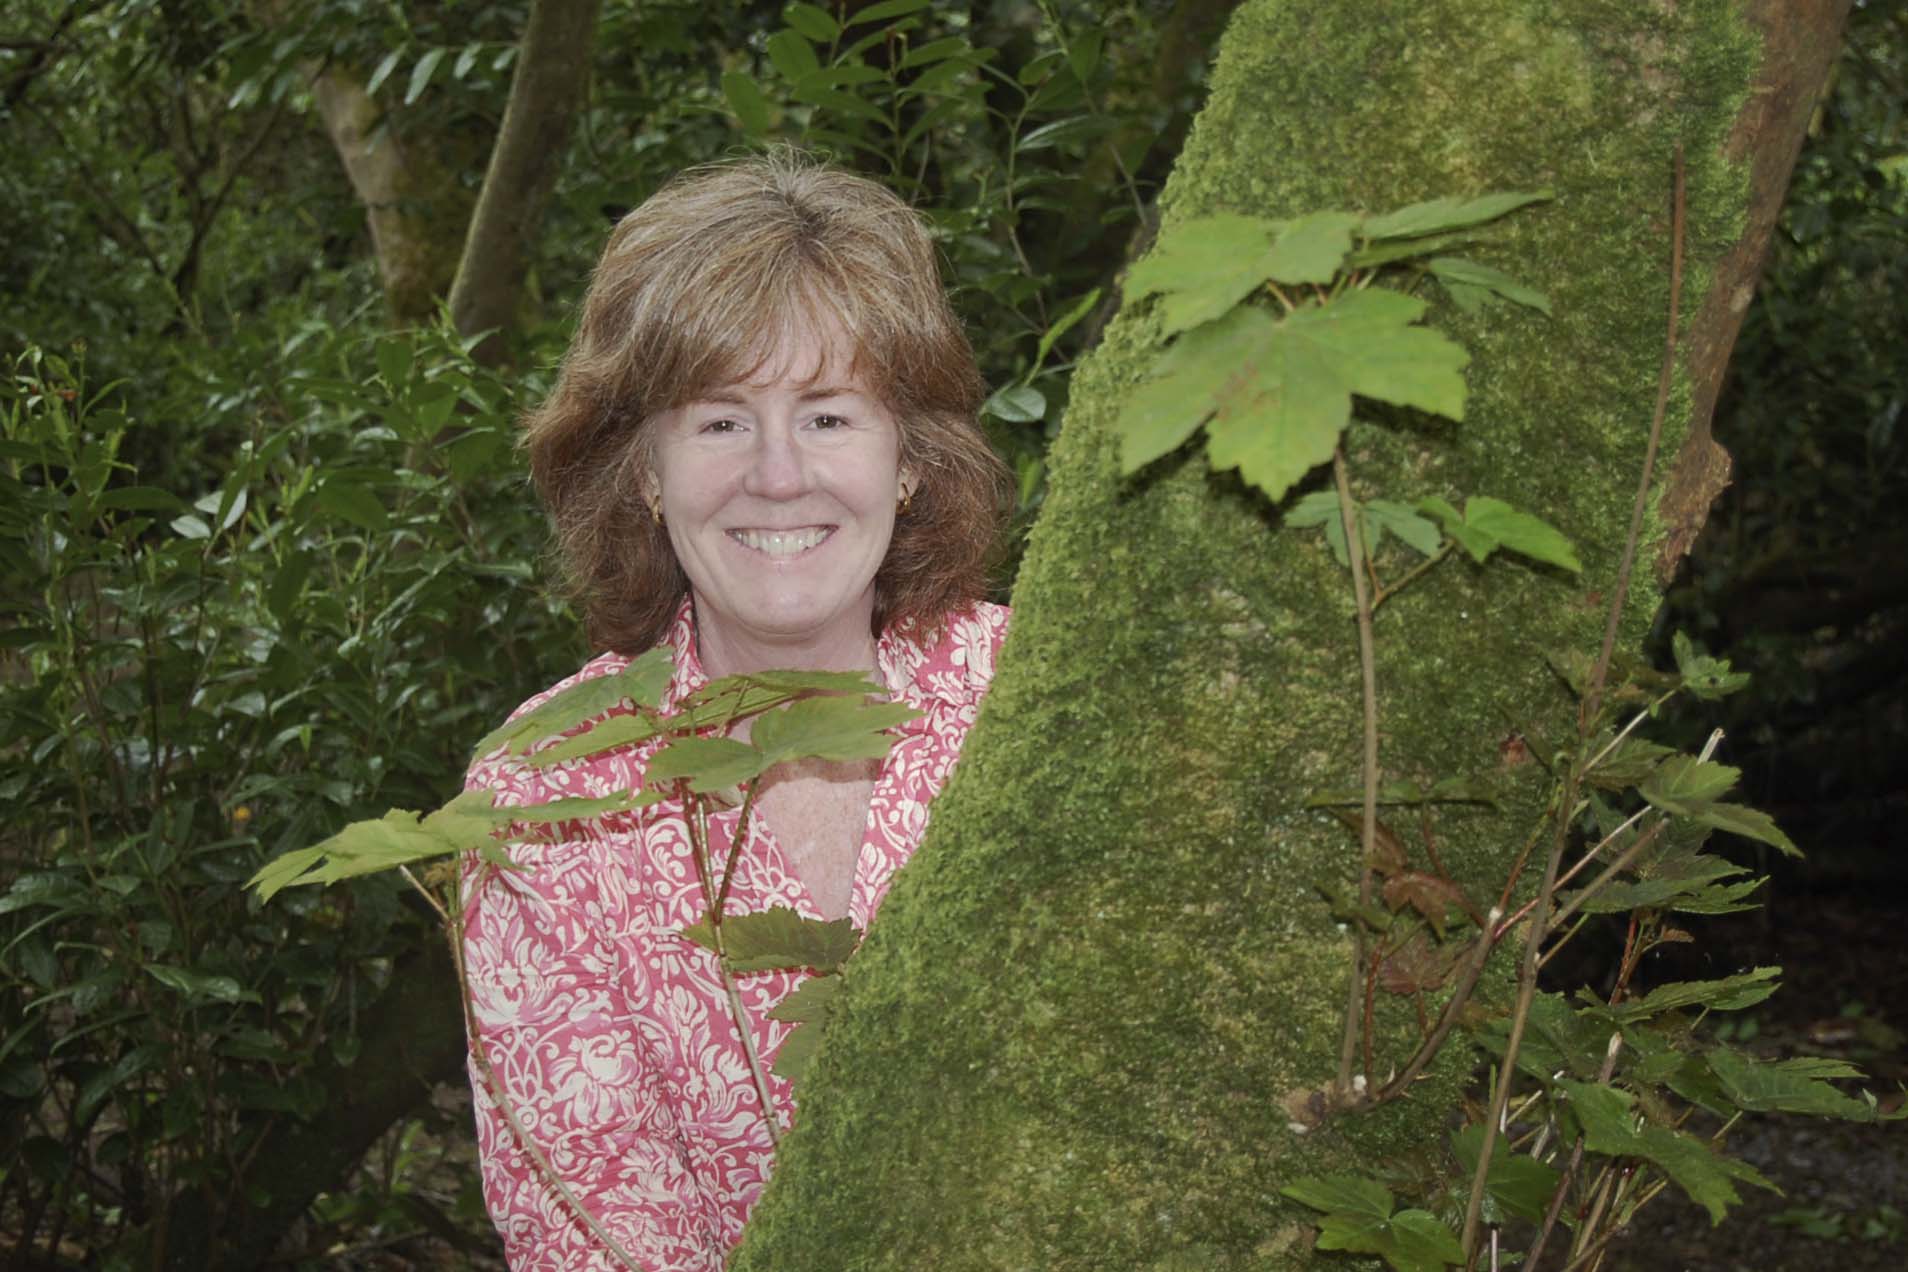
(546,89)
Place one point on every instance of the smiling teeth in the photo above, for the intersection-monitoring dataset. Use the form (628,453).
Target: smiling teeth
(780,542)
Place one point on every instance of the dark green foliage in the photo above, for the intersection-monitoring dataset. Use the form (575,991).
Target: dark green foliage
(198,681)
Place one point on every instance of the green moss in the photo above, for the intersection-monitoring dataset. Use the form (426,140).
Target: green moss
(1069,1038)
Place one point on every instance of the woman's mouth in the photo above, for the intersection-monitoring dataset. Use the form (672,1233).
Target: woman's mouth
(782,543)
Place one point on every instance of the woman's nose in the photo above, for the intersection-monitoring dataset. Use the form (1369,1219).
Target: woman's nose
(777,467)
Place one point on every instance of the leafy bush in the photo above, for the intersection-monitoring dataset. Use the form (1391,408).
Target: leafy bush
(190,688)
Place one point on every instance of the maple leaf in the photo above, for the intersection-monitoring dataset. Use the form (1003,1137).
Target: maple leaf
(1275,393)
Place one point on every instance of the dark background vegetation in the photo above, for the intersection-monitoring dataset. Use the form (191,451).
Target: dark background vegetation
(270,563)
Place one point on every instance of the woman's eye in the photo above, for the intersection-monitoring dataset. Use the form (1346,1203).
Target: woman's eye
(830,422)
(723,425)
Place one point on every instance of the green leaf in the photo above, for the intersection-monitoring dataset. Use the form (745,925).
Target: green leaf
(1685,784)
(642,682)
(1413,530)
(812,1000)
(1520,532)
(142,499)
(1630,762)
(1706,677)
(934,51)
(1455,272)
(791,1060)
(1188,383)
(1474,541)
(1204,268)
(1731,993)
(709,764)
(1750,823)
(220,989)
(347,497)
(722,702)
(1605,1113)
(830,728)
(1443,215)
(1342,1194)
(1788,1086)
(421,74)
(1309,250)
(1083,53)
(792,55)
(382,72)
(1278,393)
(745,98)
(394,361)
(779,938)
(885,10)
(815,23)
(1355,1234)
(1065,323)
(1422,1241)
(364,847)
(1518,1182)
(1016,403)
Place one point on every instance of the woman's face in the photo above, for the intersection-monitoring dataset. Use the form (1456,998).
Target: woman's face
(779,498)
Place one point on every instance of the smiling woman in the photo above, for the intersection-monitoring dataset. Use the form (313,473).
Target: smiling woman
(761,452)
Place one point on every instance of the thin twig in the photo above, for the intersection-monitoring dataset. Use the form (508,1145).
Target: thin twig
(1466,982)
(1578,868)
(1368,826)
(1411,576)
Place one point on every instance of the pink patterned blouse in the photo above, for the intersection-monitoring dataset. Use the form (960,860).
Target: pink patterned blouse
(609,1033)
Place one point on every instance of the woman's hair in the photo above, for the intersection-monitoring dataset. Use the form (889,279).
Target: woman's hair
(696,290)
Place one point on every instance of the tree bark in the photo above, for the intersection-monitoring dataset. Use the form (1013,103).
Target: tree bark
(1092,1025)
(546,91)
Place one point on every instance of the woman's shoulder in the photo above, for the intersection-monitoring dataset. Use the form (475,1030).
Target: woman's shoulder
(951,661)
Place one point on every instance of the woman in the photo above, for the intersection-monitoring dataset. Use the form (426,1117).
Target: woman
(762,452)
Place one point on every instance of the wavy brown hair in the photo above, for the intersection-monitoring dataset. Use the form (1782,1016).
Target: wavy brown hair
(695,290)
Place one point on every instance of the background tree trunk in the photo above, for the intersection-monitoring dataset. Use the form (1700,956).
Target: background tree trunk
(552,75)
(412,200)
(1100,998)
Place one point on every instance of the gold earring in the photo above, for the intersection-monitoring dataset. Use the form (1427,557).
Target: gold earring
(655,510)
(907,502)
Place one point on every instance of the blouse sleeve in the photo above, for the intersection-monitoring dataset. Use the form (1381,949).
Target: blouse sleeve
(551,1004)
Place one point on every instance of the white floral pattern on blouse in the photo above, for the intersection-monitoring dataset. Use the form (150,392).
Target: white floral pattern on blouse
(608,1032)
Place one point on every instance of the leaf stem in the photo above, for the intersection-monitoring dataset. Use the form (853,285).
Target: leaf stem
(1368,825)
(695,813)
(1412,575)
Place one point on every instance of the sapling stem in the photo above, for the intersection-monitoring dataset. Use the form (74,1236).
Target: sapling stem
(1586,724)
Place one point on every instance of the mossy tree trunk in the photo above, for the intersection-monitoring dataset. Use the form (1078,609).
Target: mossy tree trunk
(1097,1003)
